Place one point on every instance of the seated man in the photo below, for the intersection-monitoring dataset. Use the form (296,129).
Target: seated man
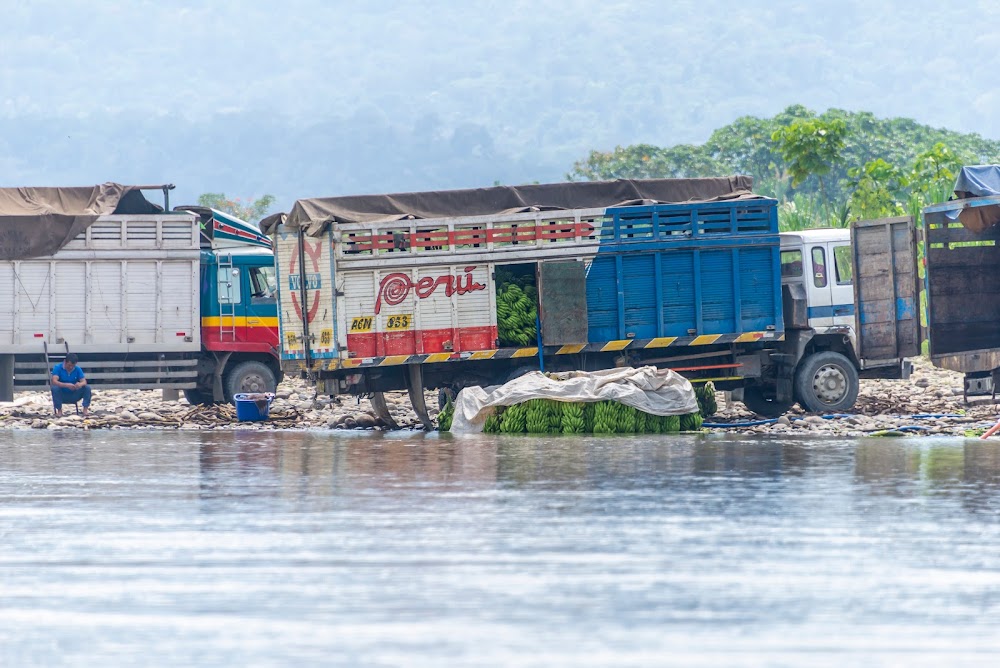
(68,385)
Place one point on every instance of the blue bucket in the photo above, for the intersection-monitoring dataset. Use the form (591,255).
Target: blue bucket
(253,407)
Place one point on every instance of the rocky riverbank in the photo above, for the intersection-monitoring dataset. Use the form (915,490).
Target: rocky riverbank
(929,403)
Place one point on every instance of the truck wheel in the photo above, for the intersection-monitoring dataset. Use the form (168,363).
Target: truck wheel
(826,382)
(249,376)
(198,398)
(754,399)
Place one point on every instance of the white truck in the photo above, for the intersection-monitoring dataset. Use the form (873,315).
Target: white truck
(125,287)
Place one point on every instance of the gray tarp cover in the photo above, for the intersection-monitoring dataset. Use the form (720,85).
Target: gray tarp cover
(35,222)
(316,214)
(977,181)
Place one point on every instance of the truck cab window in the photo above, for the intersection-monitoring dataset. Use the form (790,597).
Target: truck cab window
(791,264)
(842,263)
(263,285)
(819,266)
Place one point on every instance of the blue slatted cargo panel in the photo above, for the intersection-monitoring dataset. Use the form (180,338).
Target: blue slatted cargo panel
(602,299)
(718,271)
(639,279)
(676,275)
(718,306)
(757,288)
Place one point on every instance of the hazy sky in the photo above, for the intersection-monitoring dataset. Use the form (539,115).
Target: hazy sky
(546,81)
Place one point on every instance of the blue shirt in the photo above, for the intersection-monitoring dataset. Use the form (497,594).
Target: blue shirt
(65,376)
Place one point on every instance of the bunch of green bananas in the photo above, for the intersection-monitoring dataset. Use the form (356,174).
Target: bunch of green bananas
(515,419)
(626,419)
(572,418)
(516,315)
(445,416)
(705,395)
(691,422)
(537,416)
(555,415)
(493,421)
(605,417)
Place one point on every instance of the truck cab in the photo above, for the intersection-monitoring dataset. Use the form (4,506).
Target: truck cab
(239,311)
(821,262)
(850,310)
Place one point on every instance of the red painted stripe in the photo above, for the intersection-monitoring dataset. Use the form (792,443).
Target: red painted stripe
(417,342)
(361,242)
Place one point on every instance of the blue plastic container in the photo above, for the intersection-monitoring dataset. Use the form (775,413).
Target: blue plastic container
(253,407)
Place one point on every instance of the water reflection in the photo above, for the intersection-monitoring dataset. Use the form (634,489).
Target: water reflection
(319,548)
(300,464)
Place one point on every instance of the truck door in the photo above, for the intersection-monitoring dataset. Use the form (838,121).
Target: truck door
(818,279)
(886,290)
(262,306)
(840,277)
(306,295)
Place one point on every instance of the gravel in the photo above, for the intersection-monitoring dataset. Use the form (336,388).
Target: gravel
(883,406)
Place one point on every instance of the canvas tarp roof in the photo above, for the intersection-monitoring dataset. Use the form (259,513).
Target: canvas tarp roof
(316,214)
(36,222)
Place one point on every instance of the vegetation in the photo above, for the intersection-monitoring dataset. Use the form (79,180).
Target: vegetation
(250,211)
(825,169)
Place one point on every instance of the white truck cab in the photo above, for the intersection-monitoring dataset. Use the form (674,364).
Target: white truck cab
(842,323)
(822,261)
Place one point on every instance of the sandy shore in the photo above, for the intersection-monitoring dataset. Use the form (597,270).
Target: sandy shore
(931,394)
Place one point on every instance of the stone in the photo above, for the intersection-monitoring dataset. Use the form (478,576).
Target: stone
(365,421)
(39,424)
(783,421)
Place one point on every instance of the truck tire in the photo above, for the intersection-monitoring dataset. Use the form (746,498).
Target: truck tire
(754,399)
(826,382)
(249,376)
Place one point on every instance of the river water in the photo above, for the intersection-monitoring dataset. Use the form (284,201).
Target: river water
(303,548)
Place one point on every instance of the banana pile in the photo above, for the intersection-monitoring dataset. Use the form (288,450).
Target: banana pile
(517,310)
(705,395)
(548,416)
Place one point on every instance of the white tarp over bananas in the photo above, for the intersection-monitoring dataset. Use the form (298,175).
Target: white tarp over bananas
(648,389)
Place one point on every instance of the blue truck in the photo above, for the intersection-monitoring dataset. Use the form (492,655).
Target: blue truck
(413,291)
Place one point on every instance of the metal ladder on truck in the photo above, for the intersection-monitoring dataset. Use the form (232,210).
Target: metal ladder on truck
(227,306)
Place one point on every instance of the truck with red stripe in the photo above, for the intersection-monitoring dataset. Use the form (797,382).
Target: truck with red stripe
(412,291)
(147,297)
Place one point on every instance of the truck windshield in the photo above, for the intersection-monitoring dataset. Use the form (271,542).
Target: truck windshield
(263,285)
(791,264)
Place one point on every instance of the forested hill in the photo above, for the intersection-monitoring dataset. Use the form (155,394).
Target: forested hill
(825,168)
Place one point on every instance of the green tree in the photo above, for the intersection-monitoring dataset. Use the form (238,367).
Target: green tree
(811,147)
(249,210)
(877,190)
(643,161)
(934,172)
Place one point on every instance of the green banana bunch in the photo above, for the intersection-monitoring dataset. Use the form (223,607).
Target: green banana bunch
(690,422)
(537,416)
(605,417)
(517,310)
(555,415)
(493,422)
(573,421)
(514,420)
(588,417)
(445,416)
(705,395)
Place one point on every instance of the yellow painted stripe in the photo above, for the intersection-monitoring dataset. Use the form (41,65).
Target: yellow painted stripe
(525,352)
(437,357)
(661,342)
(571,349)
(392,360)
(351,363)
(616,345)
(333,365)
(716,380)
(482,355)
(239,321)
(706,339)
(749,337)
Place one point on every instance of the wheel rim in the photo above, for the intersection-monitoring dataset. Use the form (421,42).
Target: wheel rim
(830,384)
(253,382)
